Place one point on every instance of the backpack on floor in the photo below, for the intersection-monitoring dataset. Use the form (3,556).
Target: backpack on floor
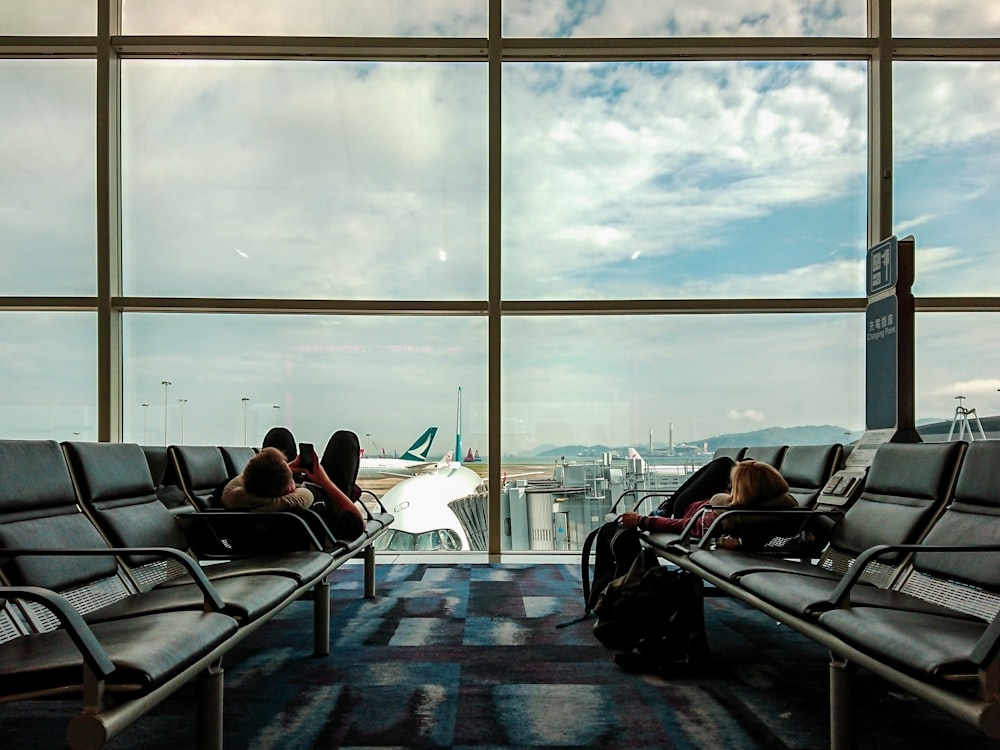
(653,609)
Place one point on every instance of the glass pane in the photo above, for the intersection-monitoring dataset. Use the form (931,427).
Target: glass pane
(233,377)
(386,378)
(641,18)
(405,18)
(940,18)
(49,376)
(684,180)
(48,17)
(673,387)
(958,376)
(946,135)
(47,178)
(314,180)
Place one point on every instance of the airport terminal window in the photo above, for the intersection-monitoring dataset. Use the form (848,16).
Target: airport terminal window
(683,180)
(946,133)
(385,18)
(307,222)
(304,180)
(49,373)
(687,18)
(47,178)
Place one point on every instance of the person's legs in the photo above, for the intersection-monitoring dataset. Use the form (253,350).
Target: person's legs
(282,439)
(341,460)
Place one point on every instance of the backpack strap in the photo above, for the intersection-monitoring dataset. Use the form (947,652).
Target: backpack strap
(588,544)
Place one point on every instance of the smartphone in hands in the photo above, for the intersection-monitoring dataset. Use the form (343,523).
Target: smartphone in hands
(307,456)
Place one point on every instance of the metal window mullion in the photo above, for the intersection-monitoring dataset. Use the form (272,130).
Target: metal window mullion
(108,149)
(880,122)
(494,360)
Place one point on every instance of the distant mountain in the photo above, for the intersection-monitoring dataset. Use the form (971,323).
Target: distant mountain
(931,429)
(803,435)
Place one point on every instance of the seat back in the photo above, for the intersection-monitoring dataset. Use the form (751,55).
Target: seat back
(735,453)
(165,478)
(236,458)
(200,470)
(967,581)
(116,489)
(39,510)
(907,488)
(768,454)
(807,468)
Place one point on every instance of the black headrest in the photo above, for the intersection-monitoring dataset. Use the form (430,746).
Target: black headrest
(108,471)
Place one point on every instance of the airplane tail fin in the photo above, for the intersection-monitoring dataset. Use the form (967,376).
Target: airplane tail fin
(445,460)
(421,447)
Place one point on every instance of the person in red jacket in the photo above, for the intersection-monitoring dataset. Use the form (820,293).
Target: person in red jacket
(753,484)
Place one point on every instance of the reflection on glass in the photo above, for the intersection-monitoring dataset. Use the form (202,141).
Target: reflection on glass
(946,136)
(403,18)
(49,376)
(49,17)
(47,178)
(583,391)
(683,180)
(683,18)
(304,180)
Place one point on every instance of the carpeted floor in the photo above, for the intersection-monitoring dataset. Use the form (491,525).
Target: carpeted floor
(468,656)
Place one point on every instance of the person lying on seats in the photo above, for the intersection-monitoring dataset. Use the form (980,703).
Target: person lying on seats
(753,484)
(267,484)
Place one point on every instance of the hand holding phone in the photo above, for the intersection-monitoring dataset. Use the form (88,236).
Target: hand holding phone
(307,456)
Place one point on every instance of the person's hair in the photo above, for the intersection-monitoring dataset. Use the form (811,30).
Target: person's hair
(267,474)
(754,481)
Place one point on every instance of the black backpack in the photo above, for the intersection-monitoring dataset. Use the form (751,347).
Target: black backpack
(655,611)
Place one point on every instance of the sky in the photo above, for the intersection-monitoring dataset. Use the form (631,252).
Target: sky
(368,181)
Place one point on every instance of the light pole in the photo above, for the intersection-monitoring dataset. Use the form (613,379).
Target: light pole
(275,409)
(145,424)
(166,386)
(182,401)
(245,399)
(368,443)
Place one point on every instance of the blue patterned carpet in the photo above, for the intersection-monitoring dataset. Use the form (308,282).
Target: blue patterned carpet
(468,656)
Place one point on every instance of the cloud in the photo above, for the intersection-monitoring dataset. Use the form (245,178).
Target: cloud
(751,414)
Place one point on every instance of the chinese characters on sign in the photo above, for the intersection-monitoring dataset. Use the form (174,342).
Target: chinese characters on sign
(880,268)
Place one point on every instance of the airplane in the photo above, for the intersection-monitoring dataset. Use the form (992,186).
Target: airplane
(424,520)
(412,461)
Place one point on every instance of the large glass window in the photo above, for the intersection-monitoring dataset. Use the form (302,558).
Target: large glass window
(398,18)
(946,133)
(690,18)
(683,180)
(47,178)
(312,180)
(49,375)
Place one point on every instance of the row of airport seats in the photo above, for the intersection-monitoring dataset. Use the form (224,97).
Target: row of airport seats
(806,468)
(106,597)
(907,587)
